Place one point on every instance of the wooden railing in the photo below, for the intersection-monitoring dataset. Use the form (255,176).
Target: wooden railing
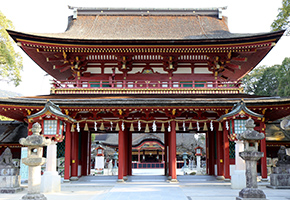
(143,84)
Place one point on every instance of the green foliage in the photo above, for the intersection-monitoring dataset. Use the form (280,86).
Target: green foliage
(10,61)
(269,81)
(282,20)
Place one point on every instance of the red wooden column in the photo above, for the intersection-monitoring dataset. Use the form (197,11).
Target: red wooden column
(226,153)
(74,156)
(172,144)
(85,143)
(89,154)
(220,169)
(121,153)
(125,172)
(67,159)
(169,153)
(165,153)
(263,149)
(129,173)
(207,152)
(211,152)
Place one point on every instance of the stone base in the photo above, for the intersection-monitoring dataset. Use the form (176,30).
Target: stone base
(10,190)
(50,182)
(10,181)
(74,178)
(120,180)
(239,198)
(34,197)
(280,178)
(173,181)
(251,193)
(238,179)
(220,178)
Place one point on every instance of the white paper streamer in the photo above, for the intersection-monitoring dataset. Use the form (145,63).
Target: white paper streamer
(111,126)
(154,127)
(96,128)
(184,128)
(211,126)
(227,125)
(169,128)
(123,126)
(139,126)
(78,127)
(197,126)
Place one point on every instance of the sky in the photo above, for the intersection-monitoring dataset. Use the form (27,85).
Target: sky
(43,16)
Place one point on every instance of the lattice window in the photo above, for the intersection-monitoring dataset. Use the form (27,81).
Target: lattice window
(232,149)
(239,126)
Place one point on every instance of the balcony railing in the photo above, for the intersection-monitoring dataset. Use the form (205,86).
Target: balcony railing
(144,87)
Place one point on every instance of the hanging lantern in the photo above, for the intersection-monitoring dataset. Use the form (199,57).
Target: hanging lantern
(132,127)
(190,126)
(197,126)
(220,127)
(147,128)
(177,127)
(162,128)
(86,127)
(183,125)
(205,127)
(117,127)
(102,127)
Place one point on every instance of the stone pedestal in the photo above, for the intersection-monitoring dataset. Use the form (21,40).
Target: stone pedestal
(251,191)
(34,160)
(198,169)
(238,178)
(9,174)
(50,180)
(280,178)
(10,184)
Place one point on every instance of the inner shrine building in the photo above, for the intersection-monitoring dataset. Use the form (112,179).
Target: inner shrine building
(165,71)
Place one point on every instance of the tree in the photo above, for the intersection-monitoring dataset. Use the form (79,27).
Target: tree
(10,61)
(282,20)
(269,81)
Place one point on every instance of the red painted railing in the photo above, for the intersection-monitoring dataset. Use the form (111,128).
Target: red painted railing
(144,84)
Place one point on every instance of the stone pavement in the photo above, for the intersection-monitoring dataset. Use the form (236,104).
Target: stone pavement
(151,187)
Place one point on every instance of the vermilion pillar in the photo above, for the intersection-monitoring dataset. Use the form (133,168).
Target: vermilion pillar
(211,152)
(173,151)
(85,143)
(67,159)
(226,153)
(220,169)
(74,156)
(89,154)
(165,155)
(207,152)
(121,153)
(263,149)
(126,133)
(129,154)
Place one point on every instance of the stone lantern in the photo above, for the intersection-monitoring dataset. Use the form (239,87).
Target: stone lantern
(52,121)
(251,155)
(34,160)
(198,154)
